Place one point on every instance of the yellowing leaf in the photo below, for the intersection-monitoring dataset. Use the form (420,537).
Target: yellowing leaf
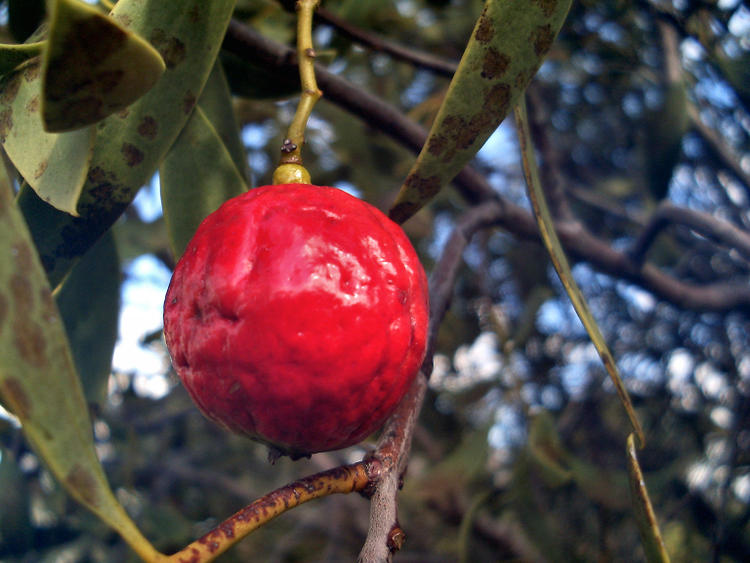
(509,43)
(38,381)
(53,164)
(131,144)
(653,545)
(92,67)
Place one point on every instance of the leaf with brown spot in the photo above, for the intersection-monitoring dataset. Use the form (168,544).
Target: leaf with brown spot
(199,26)
(38,379)
(92,67)
(507,47)
(53,164)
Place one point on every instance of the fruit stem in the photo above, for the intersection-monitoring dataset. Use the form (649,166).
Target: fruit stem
(291,150)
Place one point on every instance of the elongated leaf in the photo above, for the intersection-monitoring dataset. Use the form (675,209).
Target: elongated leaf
(131,144)
(216,103)
(38,382)
(653,544)
(13,55)
(509,43)
(89,300)
(197,176)
(53,164)
(562,266)
(92,67)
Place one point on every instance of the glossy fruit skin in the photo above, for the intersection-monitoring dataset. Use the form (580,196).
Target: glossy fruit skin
(298,316)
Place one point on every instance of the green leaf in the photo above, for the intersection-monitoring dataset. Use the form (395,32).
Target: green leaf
(53,164)
(131,144)
(197,176)
(509,43)
(651,537)
(89,301)
(13,55)
(92,67)
(38,381)
(216,103)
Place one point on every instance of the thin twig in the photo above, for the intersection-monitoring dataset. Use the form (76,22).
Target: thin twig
(721,232)
(291,150)
(419,59)
(392,452)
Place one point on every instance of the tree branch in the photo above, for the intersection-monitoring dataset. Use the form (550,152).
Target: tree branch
(419,59)
(704,224)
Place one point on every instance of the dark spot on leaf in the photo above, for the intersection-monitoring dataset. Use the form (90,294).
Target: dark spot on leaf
(436,145)
(425,189)
(80,480)
(484,30)
(123,113)
(542,38)
(10,89)
(72,69)
(546,6)
(497,99)
(98,174)
(133,155)
(6,123)
(148,127)
(15,398)
(495,63)
(87,32)
(29,341)
(21,292)
(31,71)
(23,257)
(40,169)
(188,102)
(33,104)
(171,49)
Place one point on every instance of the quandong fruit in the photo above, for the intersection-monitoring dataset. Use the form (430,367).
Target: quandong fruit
(297,316)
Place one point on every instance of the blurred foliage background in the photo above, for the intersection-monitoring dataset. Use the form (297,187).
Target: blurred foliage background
(520,451)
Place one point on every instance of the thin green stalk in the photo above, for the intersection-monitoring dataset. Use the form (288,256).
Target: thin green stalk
(557,255)
(292,148)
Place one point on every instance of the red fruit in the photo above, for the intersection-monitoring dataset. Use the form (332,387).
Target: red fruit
(297,316)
